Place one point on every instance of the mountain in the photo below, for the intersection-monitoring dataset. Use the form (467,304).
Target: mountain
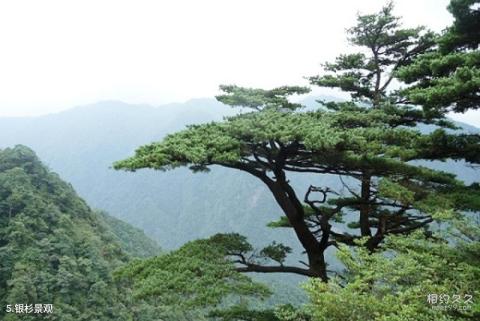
(174,207)
(171,207)
(55,250)
(132,240)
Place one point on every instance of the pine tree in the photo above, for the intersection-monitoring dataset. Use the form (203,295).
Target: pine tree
(447,78)
(417,278)
(369,143)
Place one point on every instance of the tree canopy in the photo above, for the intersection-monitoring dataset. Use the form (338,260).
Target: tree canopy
(390,197)
(447,77)
(369,146)
(412,279)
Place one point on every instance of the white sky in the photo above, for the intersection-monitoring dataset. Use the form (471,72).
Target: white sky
(58,54)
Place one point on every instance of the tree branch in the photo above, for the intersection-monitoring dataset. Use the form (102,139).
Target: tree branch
(275,269)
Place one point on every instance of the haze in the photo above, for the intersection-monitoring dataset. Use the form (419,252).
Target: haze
(59,54)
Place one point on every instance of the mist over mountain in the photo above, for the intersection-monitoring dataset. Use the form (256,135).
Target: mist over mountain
(81,144)
(171,207)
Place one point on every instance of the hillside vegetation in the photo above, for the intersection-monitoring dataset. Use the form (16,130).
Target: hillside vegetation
(55,250)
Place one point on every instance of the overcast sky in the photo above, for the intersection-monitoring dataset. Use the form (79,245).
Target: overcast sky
(58,54)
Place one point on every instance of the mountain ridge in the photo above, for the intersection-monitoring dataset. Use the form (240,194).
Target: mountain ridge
(54,249)
(173,207)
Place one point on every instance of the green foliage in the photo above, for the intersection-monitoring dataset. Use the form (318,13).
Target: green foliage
(448,78)
(396,191)
(54,249)
(350,137)
(464,31)
(276,251)
(290,313)
(341,142)
(195,278)
(394,284)
(383,48)
(243,313)
(368,142)
(259,99)
(285,312)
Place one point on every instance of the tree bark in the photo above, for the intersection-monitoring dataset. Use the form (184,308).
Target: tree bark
(365,206)
(315,252)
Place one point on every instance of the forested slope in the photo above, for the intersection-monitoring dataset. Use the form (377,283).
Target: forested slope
(131,239)
(55,250)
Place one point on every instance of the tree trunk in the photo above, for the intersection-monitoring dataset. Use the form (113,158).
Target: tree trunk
(295,215)
(316,260)
(365,206)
